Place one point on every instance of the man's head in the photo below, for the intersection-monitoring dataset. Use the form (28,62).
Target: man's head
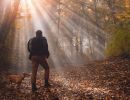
(38,33)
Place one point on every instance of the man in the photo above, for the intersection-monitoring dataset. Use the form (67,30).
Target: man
(38,48)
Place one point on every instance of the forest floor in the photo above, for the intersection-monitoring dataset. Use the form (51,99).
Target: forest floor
(100,80)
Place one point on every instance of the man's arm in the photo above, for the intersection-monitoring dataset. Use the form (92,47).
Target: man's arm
(47,51)
(28,45)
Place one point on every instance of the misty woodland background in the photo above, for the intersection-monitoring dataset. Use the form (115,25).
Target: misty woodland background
(89,43)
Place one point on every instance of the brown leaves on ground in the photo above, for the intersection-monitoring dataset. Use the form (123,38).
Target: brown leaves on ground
(104,80)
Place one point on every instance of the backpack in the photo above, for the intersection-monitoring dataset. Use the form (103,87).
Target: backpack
(38,46)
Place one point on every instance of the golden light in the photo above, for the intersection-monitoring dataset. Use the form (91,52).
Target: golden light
(25,3)
(42,15)
(90,0)
(127,3)
(89,10)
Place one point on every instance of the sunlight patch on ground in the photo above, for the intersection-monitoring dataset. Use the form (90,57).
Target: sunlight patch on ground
(84,85)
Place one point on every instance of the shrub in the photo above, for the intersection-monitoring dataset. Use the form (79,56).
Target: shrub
(119,44)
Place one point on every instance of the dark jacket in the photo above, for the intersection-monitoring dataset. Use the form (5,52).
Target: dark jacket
(38,46)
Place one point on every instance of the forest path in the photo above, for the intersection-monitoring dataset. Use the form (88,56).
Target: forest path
(102,80)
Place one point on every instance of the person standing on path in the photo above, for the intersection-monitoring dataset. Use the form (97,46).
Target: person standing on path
(39,53)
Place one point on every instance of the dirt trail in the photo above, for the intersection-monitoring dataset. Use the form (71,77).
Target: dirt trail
(102,80)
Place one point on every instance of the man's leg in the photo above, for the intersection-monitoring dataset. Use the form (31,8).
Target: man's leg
(34,72)
(45,65)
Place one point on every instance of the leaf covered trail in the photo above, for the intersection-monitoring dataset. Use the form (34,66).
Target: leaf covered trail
(102,80)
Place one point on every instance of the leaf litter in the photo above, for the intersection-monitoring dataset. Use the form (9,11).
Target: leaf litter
(100,80)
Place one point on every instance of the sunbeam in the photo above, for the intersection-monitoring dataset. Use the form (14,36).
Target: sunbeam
(64,49)
(71,42)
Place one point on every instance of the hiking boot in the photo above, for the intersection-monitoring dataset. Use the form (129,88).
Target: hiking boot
(34,88)
(47,84)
